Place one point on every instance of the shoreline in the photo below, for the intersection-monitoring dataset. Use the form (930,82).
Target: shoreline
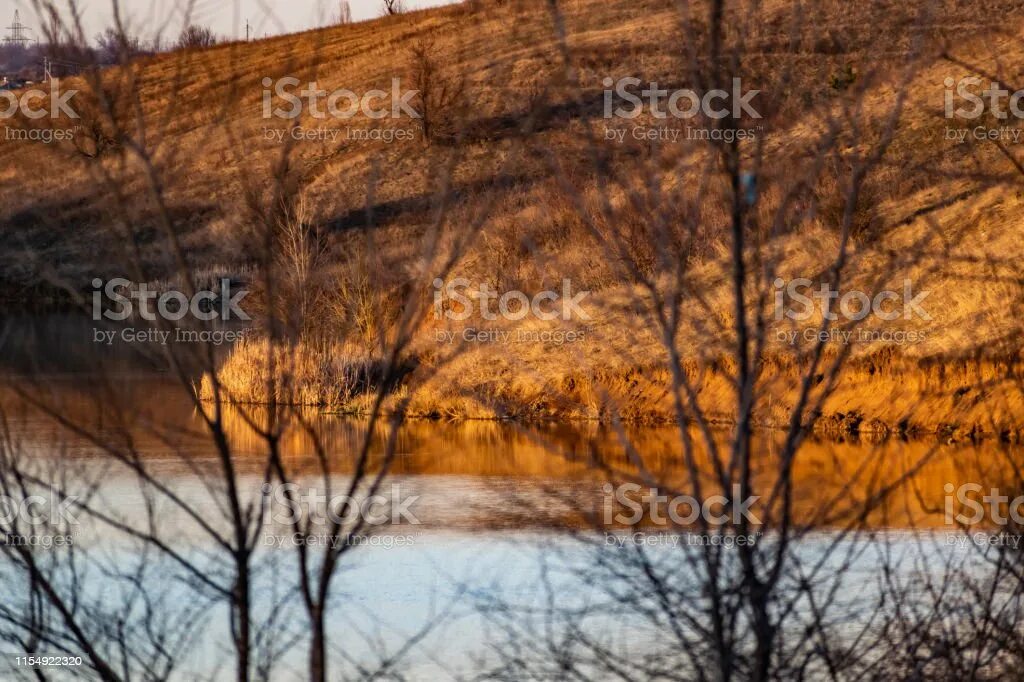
(838,427)
(881,396)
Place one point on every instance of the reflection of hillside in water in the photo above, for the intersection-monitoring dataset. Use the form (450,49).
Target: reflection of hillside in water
(125,399)
(832,480)
(66,343)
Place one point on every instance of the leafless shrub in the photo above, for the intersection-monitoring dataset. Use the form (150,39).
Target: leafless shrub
(212,552)
(196,36)
(441,97)
(116,46)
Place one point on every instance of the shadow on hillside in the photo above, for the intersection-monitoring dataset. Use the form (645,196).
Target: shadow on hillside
(77,235)
(386,211)
(536,119)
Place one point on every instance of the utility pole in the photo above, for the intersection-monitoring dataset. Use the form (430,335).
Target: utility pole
(247,28)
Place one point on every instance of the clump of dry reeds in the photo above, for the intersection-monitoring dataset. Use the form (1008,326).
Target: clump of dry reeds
(326,376)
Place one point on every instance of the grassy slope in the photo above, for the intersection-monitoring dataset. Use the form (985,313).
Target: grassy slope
(208,140)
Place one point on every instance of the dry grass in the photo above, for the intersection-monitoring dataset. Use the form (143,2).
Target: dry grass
(212,147)
(330,377)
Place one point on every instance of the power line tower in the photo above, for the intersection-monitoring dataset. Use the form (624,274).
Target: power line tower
(18,32)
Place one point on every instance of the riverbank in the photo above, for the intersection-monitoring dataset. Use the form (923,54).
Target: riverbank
(884,394)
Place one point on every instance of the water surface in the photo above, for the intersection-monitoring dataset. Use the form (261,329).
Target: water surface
(499,508)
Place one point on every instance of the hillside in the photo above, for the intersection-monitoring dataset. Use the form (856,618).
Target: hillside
(512,139)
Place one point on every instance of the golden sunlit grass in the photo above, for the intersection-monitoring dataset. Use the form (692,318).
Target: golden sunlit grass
(331,376)
(211,140)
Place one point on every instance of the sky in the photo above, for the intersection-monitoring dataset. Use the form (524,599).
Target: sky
(225,17)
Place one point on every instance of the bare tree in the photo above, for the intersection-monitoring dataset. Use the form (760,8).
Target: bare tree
(440,97)
(182,563)
(392,7)
(212,547)
(115,46)
(728,597)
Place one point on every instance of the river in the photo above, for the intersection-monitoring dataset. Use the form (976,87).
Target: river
(499,518)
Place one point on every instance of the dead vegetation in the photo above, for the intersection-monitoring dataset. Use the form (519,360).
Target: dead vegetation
(488,80)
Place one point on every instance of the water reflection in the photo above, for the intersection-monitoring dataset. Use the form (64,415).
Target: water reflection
(496,503)
(480,464)
(476,472)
